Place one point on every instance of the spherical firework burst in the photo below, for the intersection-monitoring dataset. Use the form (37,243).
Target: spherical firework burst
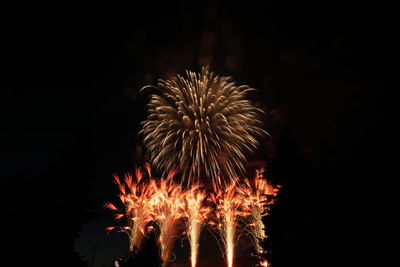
(201,124)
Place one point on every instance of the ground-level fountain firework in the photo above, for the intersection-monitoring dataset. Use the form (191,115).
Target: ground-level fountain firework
(230,212)
(200,125)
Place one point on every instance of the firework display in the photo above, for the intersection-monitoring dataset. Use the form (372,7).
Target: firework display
(201,124)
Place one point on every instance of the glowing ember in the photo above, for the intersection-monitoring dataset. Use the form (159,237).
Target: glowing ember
(135,197)
(196,213)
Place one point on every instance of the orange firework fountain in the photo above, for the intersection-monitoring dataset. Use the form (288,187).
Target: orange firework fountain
(228,208)
(135,196)
(196,213)
(257,200)
(238,208)
(167,208)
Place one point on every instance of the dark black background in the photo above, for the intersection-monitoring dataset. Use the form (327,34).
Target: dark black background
(70,109)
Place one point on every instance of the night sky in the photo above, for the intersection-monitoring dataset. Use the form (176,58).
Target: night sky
(71,108)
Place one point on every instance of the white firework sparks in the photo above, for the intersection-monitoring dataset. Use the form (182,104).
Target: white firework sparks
(201,124)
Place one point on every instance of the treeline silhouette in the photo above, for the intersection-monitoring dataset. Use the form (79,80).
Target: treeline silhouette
(42,214)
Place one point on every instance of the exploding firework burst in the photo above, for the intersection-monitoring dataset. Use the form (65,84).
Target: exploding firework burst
(202,124)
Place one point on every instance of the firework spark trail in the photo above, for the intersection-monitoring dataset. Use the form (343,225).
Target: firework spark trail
(167,207)
(196,213)
(257,200)
(228,208)
(135,197)
(202,124)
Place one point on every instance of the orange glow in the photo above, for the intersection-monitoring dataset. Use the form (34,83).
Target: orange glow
(139,175)
(110,206)
(118,216)
(264,263)
(171,175)
(148,168)
(110,228)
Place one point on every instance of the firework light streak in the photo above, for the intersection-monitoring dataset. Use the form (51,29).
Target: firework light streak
(201,124)
(228,208)
(196,212)
(167,206)
(257,200)
(135,196)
